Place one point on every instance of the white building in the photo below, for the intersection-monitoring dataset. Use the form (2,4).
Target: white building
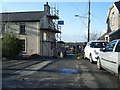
(36,29)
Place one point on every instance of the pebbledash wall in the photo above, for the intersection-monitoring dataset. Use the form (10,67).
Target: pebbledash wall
(31,35)
(36,41)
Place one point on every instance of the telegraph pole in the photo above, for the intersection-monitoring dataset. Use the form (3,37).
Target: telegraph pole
(88,20)
(88,39)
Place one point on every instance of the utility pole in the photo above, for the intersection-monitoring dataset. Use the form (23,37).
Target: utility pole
(88,39)
(88,20)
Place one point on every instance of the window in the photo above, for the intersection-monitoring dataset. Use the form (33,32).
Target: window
(88,44)
(110,46)
(118,47)
(98,44)
(22,28)
(23,45)
(44,36)
(3,28)
(113,19)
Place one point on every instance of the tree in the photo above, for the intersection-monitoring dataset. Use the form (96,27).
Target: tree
(11,45)
(93,36)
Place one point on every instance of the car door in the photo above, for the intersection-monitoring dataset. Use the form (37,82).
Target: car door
(115,57)
(107,56)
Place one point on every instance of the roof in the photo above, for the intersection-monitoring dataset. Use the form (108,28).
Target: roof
(61,42)
(102,37)
(23,16)
(118,5)
(116,40)
(114,32)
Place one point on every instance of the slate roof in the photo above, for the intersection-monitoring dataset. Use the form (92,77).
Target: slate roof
(118,5)
(23,16)
(115,32)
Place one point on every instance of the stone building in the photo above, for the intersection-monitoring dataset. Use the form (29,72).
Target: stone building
(113,22)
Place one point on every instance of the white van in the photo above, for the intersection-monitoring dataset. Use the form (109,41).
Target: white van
(109,58)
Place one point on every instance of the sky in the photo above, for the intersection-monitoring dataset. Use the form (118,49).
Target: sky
(74,28)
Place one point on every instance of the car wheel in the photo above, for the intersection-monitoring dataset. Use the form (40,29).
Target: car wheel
(99,64)
(119,78)
(91,59)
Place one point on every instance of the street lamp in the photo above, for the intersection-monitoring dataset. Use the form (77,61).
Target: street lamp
(80,16)
(83,23)
(88,19)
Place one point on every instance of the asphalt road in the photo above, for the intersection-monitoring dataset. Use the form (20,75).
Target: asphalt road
(55,73)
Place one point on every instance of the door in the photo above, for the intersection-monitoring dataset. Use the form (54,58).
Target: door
(107,57)
(115,58)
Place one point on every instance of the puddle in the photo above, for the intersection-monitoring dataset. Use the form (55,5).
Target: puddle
(69,71)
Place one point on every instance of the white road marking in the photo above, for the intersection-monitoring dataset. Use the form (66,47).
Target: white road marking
(34,68)
(44,79)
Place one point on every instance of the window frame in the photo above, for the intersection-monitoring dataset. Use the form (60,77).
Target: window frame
(110,46)
(23,42)
(118,45)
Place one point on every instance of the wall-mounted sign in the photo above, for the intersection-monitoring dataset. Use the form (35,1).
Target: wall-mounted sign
(60,22)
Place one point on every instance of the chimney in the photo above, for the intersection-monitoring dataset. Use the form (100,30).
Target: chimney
(47,8)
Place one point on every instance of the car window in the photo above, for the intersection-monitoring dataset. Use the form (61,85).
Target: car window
(88,44)
(98,44)
(118,47)
(110,46)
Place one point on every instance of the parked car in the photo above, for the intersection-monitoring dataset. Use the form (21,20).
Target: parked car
(109,57)
(92,49)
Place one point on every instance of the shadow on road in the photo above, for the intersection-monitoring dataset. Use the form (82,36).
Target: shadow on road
(70,57)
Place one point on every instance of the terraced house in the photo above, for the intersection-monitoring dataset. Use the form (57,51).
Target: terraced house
(37,30)
(113,22)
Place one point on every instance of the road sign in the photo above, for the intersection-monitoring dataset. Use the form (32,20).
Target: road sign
(60,22)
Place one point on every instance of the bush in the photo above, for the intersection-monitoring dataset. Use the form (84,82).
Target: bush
(11,45)
(80,55)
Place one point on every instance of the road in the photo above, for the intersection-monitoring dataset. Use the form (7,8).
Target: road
(55,73)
